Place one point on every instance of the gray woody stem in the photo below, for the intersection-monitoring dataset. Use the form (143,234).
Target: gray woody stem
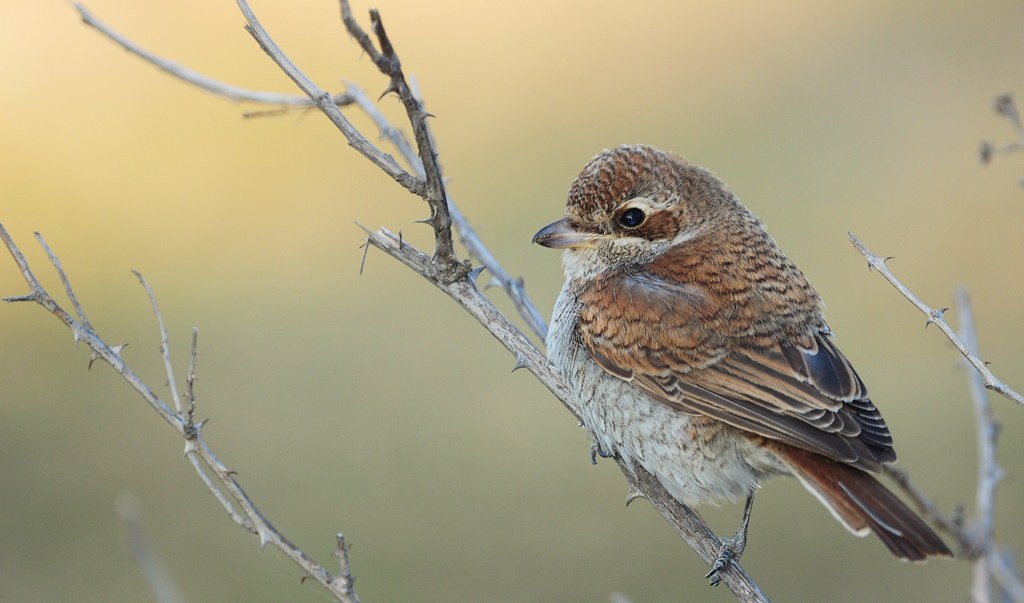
(936,317)
(222,484)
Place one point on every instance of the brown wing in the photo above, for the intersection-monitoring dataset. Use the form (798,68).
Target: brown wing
(671,339)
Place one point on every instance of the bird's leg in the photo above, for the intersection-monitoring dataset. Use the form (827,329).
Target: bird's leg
(733,547)
(596,450)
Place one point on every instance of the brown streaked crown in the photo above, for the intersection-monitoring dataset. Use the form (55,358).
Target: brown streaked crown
(616,176)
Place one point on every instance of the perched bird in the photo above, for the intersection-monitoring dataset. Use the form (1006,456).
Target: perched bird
(699,351)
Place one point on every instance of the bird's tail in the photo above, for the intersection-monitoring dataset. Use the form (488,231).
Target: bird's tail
(863,504)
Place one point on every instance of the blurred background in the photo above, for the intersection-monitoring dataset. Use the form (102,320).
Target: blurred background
(371,404)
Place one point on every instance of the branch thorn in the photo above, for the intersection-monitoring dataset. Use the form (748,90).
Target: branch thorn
(475,272)
(632,495)
(391,89)
(366,249)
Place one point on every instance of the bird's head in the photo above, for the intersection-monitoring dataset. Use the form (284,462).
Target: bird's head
(630,204)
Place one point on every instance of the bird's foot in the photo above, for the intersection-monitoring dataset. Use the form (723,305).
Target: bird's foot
(732,549)
(596,451)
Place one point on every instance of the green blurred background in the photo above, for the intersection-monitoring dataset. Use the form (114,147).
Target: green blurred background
(371,404)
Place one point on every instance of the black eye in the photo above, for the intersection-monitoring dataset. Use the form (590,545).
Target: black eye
(632,217)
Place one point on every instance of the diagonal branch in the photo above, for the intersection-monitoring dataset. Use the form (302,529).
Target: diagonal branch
(325,103)
(195,78)
(936,317)
(165,346)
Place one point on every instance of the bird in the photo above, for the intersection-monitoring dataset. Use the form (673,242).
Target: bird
(699,351)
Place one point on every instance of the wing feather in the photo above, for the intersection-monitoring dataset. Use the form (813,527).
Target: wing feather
(798,390)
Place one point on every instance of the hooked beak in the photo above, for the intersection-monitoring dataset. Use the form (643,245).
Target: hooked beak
(561,235)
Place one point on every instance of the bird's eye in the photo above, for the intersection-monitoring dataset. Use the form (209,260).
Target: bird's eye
(632,217)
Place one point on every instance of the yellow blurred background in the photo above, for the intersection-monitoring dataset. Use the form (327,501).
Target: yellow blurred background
(371,404)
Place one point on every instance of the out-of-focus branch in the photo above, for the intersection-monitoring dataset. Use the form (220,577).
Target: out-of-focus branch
(1005,106)
(936,317)
(157,577)
(222,483)
(991,562)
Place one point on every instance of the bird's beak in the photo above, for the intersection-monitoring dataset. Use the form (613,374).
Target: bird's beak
(561,235)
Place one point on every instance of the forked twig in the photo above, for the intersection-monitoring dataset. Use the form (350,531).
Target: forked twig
(223,485)
(388,63)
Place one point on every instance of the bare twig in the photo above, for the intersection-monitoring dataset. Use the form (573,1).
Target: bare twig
(936,317)
(236,502)
(989,472)
(975,542)
(190,382)
(64,280)
(1004,105)
(387,61)
(344,572)
(165,346)
(195,78)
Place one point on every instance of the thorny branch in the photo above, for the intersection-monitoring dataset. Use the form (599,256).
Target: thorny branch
(389,64)
(975,541)
(222,484)
(937,318)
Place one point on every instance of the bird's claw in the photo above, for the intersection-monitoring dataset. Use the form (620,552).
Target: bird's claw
(730,550)
(596,451)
